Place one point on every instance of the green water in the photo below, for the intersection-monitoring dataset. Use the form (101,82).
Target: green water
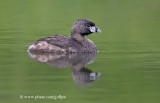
(128,57)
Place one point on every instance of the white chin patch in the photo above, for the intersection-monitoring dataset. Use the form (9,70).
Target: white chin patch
(92,29)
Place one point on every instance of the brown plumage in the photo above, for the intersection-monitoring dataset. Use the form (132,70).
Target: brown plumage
(65,44)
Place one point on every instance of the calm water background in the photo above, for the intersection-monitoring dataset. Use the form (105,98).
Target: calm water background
(128,58)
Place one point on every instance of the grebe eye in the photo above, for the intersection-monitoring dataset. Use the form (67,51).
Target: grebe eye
(88,25)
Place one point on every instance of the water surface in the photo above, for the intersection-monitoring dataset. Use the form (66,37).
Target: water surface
(128,57)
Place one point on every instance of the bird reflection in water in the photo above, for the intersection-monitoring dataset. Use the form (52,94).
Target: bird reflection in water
(81,74)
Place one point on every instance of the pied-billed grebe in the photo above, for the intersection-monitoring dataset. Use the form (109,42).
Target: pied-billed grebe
(77,43)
